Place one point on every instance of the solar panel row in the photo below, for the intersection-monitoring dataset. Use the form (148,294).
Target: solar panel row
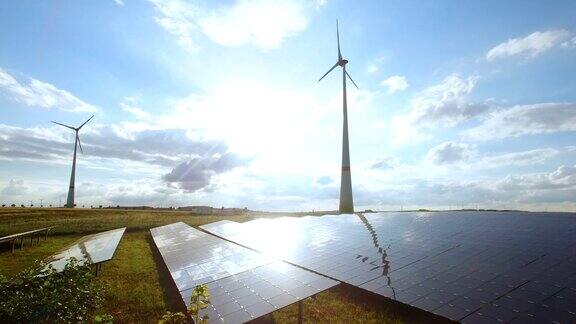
(471,267)
(243,284)
(95,248)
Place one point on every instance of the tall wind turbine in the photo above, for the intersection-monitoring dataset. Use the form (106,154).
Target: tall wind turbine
(346,201)
(70,200)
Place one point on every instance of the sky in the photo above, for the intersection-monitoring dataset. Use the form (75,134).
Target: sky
(460,103)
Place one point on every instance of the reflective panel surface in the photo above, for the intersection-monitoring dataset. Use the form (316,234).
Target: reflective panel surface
(243,284)
(94,248)
(467,266)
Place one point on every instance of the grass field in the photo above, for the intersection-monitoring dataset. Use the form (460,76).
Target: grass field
(135,293)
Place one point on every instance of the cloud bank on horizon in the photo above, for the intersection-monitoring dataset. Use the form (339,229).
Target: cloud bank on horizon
(202,103)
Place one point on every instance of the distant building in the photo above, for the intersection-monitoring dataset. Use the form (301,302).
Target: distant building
(207,210)
(202,210)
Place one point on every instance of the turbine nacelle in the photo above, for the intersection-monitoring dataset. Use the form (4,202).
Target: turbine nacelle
(341,61)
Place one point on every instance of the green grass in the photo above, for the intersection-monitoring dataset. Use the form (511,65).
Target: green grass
(133,285)
(135,290)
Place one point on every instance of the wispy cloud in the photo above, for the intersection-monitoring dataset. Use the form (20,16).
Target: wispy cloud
(130,105)
(395,83)
(464,154)
(265,24)
(526,120)
(42,94)
(119,2)
(177,18)
(570,43)
(530,46)
(14,188)
(375,65)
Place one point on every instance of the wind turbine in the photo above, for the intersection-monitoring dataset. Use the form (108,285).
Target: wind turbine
(346,201)
(70,200)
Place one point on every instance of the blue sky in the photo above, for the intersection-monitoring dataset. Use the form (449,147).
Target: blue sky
(201,102)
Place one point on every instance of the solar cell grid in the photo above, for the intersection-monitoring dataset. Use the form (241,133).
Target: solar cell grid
(95,248)
(481,265)
(243,284)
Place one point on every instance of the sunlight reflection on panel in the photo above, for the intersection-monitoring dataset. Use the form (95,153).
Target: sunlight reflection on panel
(94,249)
(456,264)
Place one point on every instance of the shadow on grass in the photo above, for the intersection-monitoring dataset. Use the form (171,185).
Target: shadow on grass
(398,310)
(170,291)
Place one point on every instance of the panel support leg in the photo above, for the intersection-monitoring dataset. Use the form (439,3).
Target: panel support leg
(300,321)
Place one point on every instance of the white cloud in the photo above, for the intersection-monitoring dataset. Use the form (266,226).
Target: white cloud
(531,45)
(446,104)
(439,106)
(119,2)
(395,83)
(375,65)
(450,153)
(570,43)
(372,68)
(129,104)
(265,24)
(177,18)
(562,178)
(463,154)
(531,157)
(14,188)
(385,163)
(42,94)
(526,120)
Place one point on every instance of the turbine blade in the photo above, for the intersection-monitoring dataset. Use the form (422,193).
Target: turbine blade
(85,122)
(325,74)
(349,77)
(338,39)
(79,143)
(64,125)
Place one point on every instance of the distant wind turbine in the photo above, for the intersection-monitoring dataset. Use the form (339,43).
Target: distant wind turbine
(346,201)
(70,200)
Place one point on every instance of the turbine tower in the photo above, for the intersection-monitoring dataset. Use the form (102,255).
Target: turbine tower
(346,201)
(70,200)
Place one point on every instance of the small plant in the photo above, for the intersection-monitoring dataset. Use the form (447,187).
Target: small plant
(199,300)
(104,319)
(41,294)
(172,318)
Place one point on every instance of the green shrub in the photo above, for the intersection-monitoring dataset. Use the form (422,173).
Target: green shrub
(173,318)
(199,300)
(40,294)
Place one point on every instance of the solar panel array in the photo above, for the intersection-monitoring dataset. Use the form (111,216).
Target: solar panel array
(466,266)
(243,284)
(95,248)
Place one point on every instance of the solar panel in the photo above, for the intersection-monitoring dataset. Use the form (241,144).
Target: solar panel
(95,248)
(468,266)
(243,284)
